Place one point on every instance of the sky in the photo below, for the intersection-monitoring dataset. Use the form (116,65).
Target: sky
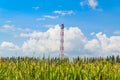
(32,27)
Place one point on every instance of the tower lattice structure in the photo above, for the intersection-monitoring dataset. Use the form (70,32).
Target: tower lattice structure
(62,41)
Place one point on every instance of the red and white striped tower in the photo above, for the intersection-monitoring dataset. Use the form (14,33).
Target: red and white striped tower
(62,41)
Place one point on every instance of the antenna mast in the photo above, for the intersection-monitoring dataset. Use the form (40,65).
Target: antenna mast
(62,41)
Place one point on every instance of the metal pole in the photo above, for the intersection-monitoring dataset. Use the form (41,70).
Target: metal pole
(62,41)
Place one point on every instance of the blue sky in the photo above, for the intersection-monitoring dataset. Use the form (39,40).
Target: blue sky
(27,16)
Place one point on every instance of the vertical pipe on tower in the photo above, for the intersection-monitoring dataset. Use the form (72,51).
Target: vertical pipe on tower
(62,41)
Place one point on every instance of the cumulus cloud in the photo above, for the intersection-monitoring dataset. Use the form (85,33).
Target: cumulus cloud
(63,13)
(49,41)
(93,47)
(104,45)
(76,43)
(9,46)
(42,41)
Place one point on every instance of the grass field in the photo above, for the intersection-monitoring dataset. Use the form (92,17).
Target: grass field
(26,68)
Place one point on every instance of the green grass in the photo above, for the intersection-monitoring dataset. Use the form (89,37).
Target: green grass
(26,68)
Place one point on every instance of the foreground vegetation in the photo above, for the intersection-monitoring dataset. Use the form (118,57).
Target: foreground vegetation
(26,68)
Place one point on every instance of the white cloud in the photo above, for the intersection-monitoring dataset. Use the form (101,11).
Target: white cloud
(49,41)
(103,45)
(40,19)
(36,7)
(9,46)
(8,21)
(92,3)
(49,25)
(82,3)
(24,29)
(63,13)
(92,33)
(76,43)
(6,28)
(47,17)
(93,46)
(50,17)
(116,32)
(34,34)
(42,41)
(12,28)
(14,31)
(110,45)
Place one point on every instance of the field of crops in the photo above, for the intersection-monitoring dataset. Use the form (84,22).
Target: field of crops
(25,68)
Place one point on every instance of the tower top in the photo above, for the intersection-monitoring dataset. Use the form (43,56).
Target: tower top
(62,26)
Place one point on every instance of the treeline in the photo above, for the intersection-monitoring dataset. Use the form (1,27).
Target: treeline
(112,59)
